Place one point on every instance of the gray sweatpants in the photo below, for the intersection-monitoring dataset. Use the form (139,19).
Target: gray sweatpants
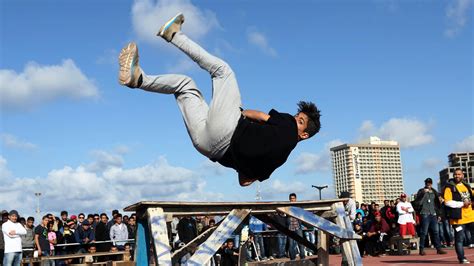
(210,126)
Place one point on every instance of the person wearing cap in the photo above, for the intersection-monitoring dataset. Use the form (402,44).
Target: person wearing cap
(349,205)
(12,230)
(377,236)
(84,234)
(428,205)
(405,216)
(458,197)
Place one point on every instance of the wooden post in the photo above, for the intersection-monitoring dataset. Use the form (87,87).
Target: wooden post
(323,248)
(159,231)
(142,240)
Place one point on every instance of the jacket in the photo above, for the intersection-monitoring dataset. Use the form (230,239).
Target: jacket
(419,197)
(456,213)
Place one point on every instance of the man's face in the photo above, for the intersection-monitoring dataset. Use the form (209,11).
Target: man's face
(386,203)
(45,221)
(104,219)
(118,219)
(92,249)
(125,219)
(302,124)
(85,227)
(377,207)
(378,218)
(428,185)
(96,218)
(29,223)
(403,199)
(131,221)
(51,218)
(292,198)
(13,218)
(113,249)
(4,218)
(91,220)
(458,176)
(230,244)
(64,217)
(81,218)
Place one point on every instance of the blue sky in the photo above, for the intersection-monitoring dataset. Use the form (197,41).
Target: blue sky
(400,70)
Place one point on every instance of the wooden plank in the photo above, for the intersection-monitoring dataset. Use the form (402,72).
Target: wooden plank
(218,237)
(318,222)
(282,228)
(142,244)
(323,248)
(192,245)
(159,233)
(350,249)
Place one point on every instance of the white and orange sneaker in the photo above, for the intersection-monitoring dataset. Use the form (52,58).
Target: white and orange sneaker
(172,26)
(130,70)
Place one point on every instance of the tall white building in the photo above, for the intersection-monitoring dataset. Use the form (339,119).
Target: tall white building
(370,171)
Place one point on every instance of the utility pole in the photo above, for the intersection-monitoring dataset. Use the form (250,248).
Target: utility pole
(320,188)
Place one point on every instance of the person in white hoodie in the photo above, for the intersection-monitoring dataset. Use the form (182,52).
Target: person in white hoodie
(405,217)
(12,230)
(119,232)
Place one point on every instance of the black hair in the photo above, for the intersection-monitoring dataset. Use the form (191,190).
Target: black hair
(90,216)
(292,195)
(118,215)
(31,218)
(81,214)
(64,213)
(115,212)
(45,217)
(313,113)
(104,214)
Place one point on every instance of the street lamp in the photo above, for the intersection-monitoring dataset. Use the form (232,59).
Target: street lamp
(38,195)
(320,188)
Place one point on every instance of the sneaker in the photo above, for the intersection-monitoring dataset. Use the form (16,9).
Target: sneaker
(172,26)
(471,245)
(422,252)
(440,251)
(130,71)
(464,261)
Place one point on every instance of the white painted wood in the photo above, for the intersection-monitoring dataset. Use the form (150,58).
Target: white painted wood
(159,234)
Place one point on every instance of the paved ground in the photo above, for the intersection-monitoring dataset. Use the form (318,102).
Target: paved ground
(431,258)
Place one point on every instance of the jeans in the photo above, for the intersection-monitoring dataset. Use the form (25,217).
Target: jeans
(210,126)
(260,245)
(442,239)
(293,245)
(281,245)
(459,238)
(429,221)
(310,236)
(448,229)
(12,259)
(47,262)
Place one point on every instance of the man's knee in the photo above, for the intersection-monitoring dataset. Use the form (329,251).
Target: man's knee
(222,69)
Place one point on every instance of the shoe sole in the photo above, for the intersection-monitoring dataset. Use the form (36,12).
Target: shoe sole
(169,23)
(127,68)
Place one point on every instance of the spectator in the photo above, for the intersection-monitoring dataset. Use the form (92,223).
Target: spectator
(249,247)
(84,234)
(361,210)
(360,242)
(96,219)
(41,239)
(295,226)
(28,240)
(112,221)
(102,234)
(52,238)
(125,219)
(64,218)
(282,220)
(383,210)
(119,232)
(2,242)
(447,228)
(90,219)
(405,217)
(349,205)
(428,205)
(257,227)
(187,230)
(230,254)
(132,227)
(67,238)
(377,236)
(80,219)
(12,230)
(458,198)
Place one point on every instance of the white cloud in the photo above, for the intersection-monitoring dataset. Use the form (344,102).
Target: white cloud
(260,40)
(457,14)
(408,132)
(308,162)
(465,145)
(11,141)
(149,15)
(278,188)
(38,84)
(93,189)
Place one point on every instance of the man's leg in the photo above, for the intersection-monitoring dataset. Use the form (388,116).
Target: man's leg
(434,226)
(425,223)
(459,236)
(224,109)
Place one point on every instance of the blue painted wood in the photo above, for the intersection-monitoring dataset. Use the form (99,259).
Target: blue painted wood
(142,242)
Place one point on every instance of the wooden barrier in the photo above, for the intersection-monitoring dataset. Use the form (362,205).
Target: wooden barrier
(152,233)
(123,258)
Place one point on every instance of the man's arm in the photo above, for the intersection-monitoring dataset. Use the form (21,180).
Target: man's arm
(38,247)
(448,200)
(256,116)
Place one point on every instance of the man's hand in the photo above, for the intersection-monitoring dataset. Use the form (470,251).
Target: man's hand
(12,233)
(466,202)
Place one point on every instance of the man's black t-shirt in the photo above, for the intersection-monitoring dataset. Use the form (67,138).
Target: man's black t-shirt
(256,150)
(42,233)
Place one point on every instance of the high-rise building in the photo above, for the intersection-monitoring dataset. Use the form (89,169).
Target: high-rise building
(370,171)
(463,160)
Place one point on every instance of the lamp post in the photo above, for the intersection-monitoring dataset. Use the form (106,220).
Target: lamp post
(38,195)
(320,188)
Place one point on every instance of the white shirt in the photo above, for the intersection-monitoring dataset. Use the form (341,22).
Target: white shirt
(12,242)
(405,216)
(351,209)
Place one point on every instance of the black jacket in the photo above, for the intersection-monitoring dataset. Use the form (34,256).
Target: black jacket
(419,197)
(456,213)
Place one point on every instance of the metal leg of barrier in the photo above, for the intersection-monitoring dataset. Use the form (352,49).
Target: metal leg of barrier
(159,233)
(218,237)
(142,244)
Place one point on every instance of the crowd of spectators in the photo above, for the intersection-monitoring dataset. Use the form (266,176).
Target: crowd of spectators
(22,238)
